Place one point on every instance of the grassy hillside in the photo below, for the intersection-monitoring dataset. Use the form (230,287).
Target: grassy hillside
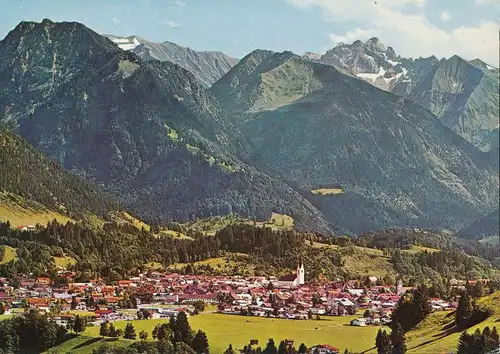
(209,226)
(36,189)
(9,253)
(437,335)
(19,211)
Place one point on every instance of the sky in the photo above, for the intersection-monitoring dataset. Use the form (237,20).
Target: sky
(414,28)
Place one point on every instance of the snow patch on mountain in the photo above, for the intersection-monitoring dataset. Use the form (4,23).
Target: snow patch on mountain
(372,77)
(125,43)
(392,62)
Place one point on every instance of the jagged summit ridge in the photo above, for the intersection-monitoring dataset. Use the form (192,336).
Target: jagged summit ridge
(207,66)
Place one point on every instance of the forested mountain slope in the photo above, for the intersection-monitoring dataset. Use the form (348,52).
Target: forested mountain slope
(27,173)
(395,161)
(487,225)
(146,130)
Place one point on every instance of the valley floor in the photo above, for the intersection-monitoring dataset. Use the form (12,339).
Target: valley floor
(434,335)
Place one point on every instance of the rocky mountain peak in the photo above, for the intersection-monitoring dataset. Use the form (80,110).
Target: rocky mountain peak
(375,45)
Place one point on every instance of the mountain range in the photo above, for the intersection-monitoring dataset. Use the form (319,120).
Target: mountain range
(320,128)
(463,94)
(207,67)
(275,132)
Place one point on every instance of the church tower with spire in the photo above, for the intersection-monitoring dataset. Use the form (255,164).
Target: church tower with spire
(301,273)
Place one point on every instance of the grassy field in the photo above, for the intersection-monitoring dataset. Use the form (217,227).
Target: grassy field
(238,330)
(327,191)
(9,254)
(153,265)
(225,264)
(86,344)
(17,215)
(209,226)
(417,249)
(433,335)
(282,220)
(126,217)
(362,260)
(174,234)
(64,262)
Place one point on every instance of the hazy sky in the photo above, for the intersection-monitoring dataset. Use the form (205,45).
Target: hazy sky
(469,28)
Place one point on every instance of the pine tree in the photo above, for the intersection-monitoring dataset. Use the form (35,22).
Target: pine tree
(383,342)
(270,347)
(463,343)
(143,335)
(200,343)
(129,331)
(488,343)
(398,339)
(229,350)
(302,348)
(495,337)
(478,290)
(104,330)
(80,324)
(282,348)
(112,331)
(464,310)
(74,304)
(477,342)
(155,331)
(182,328)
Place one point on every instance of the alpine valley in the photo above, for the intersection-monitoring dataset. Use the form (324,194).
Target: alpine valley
(143,183)
(358,139)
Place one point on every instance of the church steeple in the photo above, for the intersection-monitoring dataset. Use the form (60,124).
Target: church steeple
(300,272)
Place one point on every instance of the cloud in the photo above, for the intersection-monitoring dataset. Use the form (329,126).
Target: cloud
(486,2)
(116,21)
(445,16)
(180,3)
(351,36)
(171,24)
(410,34)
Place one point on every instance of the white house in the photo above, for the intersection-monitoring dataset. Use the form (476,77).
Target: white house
(360,322)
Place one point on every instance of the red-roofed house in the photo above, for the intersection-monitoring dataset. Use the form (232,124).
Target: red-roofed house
(324,349)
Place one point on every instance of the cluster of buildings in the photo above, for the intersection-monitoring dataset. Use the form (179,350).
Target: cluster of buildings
(160,295)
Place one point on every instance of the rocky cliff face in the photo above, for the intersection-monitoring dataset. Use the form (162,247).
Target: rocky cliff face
(464,96)
(378,64)
(318,127)
(146,130)
(207,67)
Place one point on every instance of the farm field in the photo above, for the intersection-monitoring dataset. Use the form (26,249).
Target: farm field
(238,330)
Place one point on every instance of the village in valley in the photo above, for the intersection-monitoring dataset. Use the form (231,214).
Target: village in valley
(157,295)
